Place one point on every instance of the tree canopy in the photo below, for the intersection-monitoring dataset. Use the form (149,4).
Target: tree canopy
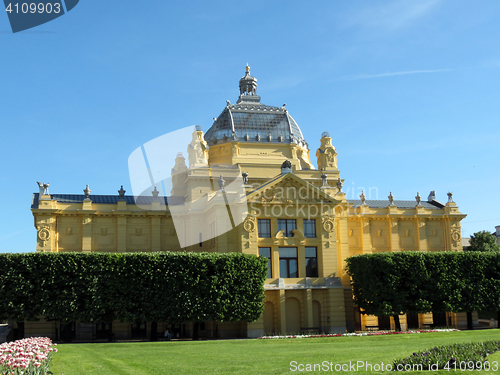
(420,282)
(102,287)
(483,241)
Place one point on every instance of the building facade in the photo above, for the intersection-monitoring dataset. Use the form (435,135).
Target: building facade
(294,214)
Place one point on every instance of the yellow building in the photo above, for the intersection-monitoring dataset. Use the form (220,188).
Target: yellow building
(293,214)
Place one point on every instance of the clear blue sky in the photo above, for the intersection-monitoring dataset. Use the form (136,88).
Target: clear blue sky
(409,91)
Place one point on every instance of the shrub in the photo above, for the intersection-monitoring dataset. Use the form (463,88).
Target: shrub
(469,356)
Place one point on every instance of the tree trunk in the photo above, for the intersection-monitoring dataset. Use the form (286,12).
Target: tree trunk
(196,331)
(397,323)
(66,332)
(469,321)
(498,319)
(153,336)
(19,331)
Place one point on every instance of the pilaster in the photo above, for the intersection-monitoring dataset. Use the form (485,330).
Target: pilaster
(121,234)
(282,311)
(309,307)
(155,233)
(87,233)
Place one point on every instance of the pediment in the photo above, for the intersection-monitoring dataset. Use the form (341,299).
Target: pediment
(289,189)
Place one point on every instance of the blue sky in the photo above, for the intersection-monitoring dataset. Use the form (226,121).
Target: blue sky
(409,92)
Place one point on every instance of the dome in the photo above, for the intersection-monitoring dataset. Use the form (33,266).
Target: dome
(251,121)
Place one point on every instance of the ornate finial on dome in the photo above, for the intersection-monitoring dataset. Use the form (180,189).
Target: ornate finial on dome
(248,87)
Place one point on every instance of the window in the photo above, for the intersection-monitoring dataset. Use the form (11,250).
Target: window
(264,228)
(310,228)
(288,262)
(287,225)
(311,262)
(266,252)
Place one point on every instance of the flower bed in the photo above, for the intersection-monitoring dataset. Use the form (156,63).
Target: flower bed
(464,357)
(378,333)
(26,357)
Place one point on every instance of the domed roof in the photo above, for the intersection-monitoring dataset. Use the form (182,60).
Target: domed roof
(251,121)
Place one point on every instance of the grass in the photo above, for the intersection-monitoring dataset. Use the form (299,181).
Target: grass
(252,356)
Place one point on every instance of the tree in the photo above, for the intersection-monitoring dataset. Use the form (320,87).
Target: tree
(419,282)
(483,241)
(161,286)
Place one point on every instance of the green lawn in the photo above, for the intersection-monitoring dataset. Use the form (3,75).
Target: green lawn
(251,356)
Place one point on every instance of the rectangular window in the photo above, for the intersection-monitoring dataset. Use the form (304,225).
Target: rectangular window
(287,225)
(264,228)
(310,228)
(289,266)
(266,252)
(311,262)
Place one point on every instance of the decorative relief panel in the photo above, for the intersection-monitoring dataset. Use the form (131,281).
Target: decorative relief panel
(407,231)
(434,235)
(169,239)
(249,224)
(70,233)
(138,234)
(43,235)
(379,233)
(104,234)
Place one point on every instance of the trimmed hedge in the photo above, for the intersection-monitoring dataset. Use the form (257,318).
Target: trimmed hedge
(463,357)
(420,282)
(102,287)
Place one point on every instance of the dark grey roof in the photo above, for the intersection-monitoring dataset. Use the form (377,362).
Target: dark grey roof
(102,199)
(400,204)
(253,121)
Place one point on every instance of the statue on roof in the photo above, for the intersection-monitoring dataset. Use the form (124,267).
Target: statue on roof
(198,150)
(179,171)
(326,154)
(303,156)
(44,188)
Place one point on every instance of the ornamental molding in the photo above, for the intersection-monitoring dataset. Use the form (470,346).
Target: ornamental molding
(43,235)
(249,225)
(328,224)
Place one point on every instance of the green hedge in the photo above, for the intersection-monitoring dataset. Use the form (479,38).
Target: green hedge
(419,282)
(161,286)
(462,357)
